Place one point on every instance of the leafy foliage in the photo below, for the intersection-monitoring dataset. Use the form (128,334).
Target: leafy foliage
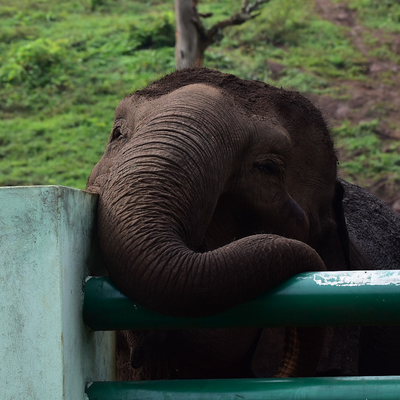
(384,14)
(64,67)
(153,35)
(40,62)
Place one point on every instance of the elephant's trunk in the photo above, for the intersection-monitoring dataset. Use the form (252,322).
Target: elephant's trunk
(153,213)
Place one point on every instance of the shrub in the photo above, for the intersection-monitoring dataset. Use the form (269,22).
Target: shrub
(158,33)
(40,62)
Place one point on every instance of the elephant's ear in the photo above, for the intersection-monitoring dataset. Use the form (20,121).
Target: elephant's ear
(335,248)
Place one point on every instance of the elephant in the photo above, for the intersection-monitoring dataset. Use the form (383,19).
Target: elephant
(212,190)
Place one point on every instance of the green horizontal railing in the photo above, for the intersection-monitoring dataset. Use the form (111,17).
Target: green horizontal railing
(351,298)
(308,299)
(354,388)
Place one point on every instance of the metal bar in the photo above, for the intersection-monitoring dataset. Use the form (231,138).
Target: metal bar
(353,388)
(337,298)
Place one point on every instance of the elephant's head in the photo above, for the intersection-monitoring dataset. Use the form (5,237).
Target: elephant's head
(212,190)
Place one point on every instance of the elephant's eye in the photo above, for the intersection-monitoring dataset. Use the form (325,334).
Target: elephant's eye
(116,133)
(269,167)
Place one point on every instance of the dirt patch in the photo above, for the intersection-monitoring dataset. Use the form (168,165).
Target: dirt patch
(337,13)
(378,97)
(365,102)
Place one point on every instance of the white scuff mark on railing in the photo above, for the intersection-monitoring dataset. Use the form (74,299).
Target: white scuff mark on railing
(358,278)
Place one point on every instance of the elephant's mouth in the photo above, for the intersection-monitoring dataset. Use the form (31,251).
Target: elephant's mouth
(291,223)
(235,219)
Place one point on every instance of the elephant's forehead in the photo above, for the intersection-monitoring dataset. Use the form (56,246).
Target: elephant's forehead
(197,93)
(192,95)
(197,89)
(197,100)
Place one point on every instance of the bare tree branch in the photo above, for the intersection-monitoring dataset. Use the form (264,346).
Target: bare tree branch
(192,36)
(214,34)
(207,15)
(248,8)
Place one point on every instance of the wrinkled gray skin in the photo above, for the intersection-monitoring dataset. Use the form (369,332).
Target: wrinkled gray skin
(374,231)
(213,190)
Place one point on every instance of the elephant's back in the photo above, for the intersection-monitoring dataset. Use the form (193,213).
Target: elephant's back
(373,225)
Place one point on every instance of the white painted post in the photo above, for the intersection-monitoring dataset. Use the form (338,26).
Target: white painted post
(46,352)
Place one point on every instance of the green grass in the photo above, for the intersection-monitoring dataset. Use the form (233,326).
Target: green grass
(65,66)
(369,153)
(63,70)
(382,14)
(288,32)
(370,161)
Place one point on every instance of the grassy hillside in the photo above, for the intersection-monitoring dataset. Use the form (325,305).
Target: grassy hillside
(64,67)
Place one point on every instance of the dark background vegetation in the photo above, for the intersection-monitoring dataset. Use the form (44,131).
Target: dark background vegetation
(65,65)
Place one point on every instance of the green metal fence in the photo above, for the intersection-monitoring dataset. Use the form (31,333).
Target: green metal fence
(371,388)
(47,249)
(358,298)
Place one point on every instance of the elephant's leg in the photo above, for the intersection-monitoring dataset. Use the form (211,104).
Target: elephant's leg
(379,350)
(218,353)
(340,352)
(278,352)
(123,360)
(269,352)
(193,354)
(143,355)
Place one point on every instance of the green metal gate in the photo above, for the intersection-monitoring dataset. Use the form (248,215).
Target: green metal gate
(47,250)
(308,299)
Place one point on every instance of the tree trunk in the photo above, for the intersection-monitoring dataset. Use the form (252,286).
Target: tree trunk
(187,50)
(192,38)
